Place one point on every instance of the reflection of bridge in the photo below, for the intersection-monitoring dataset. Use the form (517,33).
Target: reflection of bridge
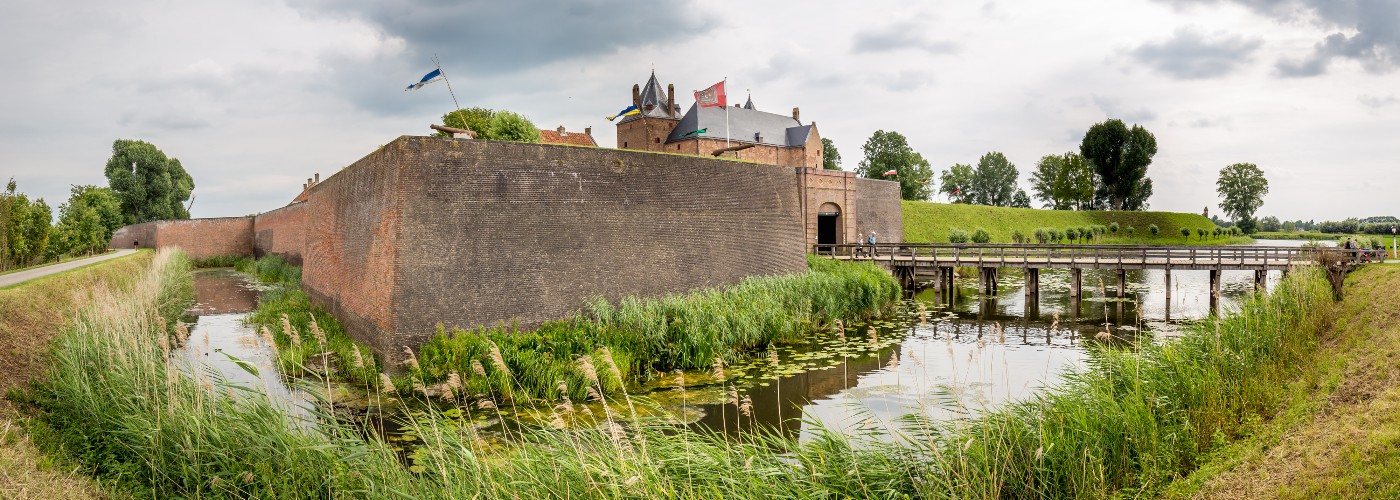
(914,263)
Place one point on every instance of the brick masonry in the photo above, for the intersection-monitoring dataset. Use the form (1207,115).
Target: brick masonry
(464,232)
(281,232)
(200,238)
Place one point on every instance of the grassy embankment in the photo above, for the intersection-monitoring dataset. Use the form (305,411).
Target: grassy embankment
(60,260)
(31,314)
(642,337)
(1131,419)
(1339,435)
(927,222)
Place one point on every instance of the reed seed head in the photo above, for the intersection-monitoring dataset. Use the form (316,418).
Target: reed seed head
(386,385)
(317,333)
(746,406)
(359,358)
(585,366)
(497,361)
(478,369)
(717,369)
(411,361)
(454,381)
(894,362)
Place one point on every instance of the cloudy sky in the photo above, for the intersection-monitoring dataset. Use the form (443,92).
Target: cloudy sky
(256,96)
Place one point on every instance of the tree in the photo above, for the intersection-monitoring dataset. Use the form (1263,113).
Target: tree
(473,119)
(86,221)
(1120,157)
(29,224)
(957,183)
(1242,187)
(1270,223)
(149,185)
(1021,200)
(994,180)
(886,151)
(831,158)
(1063,182)
(509,126)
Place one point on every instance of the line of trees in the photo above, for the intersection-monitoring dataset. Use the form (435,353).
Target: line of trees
(143,185)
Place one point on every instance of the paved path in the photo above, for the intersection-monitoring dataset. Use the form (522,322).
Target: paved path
(39,272)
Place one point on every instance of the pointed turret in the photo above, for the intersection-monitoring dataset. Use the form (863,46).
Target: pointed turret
(655,101)
(749,104)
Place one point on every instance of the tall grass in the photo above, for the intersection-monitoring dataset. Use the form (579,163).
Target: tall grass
(647,337)
(1129,420)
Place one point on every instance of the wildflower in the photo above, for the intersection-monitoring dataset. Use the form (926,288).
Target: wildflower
(385,385)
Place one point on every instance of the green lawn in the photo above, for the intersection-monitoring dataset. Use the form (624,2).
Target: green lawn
(926,222)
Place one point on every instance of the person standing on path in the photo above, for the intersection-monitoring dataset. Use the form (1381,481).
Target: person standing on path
(873,251)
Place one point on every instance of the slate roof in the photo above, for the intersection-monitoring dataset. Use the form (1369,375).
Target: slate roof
(654,97)
(554,136)
(774,129)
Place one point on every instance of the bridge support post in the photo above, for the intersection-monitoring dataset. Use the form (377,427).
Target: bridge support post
(1032,286)
(1215,291)
(1167,276)
(1076,283)
(1261,277)
(1122,282)
(987,280)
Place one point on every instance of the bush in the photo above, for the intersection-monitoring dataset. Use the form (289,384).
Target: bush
(1113,227)
(956,235)
(508,126)
(1018,237)
(1130,230)
(1042,235)
(1056,235)
(1201,233)
(1185,233)
(1072,234)
(1216,232)
(980,235)
(1153,229)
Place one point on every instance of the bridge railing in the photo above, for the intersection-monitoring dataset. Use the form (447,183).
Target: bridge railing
(1085,254)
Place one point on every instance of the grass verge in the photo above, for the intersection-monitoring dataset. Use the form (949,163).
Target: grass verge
(927,222)
(1339,434)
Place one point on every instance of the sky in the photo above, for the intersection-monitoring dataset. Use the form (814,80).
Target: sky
(256,96)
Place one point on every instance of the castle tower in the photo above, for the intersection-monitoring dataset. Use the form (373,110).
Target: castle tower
(659,114)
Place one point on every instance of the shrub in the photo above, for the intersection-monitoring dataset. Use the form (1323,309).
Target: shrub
(1216,232)
(1153,229)
(1130,230)
(980,235)
(1185,233)
(1071,233)
(1018,237)
(956,235)
(1042,235)
(1113,227)
(1056,235)
(1201,233)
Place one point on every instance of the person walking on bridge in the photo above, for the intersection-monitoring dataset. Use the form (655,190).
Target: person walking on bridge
(873,251)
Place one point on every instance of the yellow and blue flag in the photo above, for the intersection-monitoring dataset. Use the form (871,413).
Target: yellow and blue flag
(630,110)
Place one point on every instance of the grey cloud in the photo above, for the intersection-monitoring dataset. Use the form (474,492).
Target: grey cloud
(1112,109)
(166,121)
(900,36)
(1374,101)
(1210,122)
(1190,55)
(1375,43)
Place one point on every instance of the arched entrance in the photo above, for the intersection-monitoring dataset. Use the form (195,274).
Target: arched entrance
(829,228)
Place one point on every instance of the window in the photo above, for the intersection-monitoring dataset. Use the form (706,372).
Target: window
(624,144)
(658,140)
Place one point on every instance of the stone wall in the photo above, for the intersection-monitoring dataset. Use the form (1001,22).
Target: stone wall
(880,209)
(837,187)
(199,238)
(281,232)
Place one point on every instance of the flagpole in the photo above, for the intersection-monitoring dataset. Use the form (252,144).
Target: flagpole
(456,107)
(726,112)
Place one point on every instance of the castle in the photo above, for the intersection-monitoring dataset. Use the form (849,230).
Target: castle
(767,138)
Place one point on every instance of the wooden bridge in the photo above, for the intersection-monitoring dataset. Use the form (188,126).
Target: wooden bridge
(915,263)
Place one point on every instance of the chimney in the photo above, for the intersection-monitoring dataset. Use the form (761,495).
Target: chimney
(308,182)
(637,95)
(318,177)
(670,99)
(797,115)
(560,129)
(588,131)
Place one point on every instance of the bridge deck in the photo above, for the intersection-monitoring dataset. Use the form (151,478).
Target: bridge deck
(924,255)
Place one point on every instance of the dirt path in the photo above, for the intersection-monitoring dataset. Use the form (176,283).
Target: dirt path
(39,272)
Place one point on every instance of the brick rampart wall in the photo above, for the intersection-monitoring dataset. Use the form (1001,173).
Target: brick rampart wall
(281,232)
(199,238)
(831,186)
(352,227)
(493,231)
(880,210)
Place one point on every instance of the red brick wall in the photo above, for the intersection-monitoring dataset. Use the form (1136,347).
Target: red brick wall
(352,221)
(492,231)
(831,186)
(880,210)
(281,232)
(199,238)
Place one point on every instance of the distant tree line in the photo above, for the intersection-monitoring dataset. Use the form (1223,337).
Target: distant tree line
(143,185)
(1368,225)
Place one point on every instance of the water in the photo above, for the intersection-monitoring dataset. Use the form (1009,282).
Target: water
(218,336)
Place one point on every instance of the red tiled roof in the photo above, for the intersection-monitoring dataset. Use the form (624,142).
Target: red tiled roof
(570,138)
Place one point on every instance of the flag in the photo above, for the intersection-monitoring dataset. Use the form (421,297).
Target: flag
(628,111)
(713,96)
(957,192)
(890,172)
(695,132)
(428,78)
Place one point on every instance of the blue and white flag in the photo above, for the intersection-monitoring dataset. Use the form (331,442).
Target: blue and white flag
(428,78)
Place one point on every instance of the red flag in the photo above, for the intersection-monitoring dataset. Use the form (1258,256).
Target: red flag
(713,96)
(891,172)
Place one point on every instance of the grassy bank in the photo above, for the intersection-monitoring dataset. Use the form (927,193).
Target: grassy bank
(31,314)
(1339,434)
(1129,420)
(927,222)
